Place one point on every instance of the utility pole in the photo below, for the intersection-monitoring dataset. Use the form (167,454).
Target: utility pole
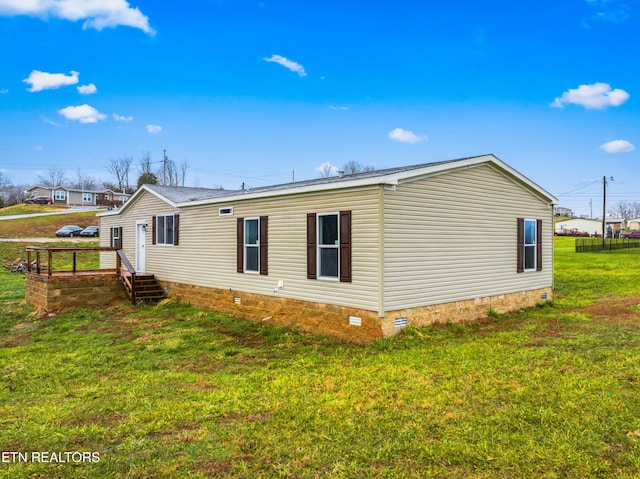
(604,210)
(164,168)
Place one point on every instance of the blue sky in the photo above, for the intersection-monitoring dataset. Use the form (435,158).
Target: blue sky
(251,91)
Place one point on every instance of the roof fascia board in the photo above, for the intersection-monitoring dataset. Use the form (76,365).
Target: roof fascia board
(134,198)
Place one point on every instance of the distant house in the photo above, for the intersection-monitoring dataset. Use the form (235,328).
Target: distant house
(560,211)
(77,197)
(578,225)
(358,256)
(633,224)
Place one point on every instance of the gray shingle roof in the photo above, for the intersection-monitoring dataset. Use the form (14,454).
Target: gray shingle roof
(181,194)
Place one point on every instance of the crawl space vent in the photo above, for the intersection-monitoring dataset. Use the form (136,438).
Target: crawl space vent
(236,300)
(400,322)
(355,321)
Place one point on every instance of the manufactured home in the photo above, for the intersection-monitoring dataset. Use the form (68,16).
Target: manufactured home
(356,256)
(64,196)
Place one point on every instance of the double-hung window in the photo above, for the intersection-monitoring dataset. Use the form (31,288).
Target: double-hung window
(116,237)
(529,245)
(60,195)
(87,197)
(165,229)
(252,245)
(329,246)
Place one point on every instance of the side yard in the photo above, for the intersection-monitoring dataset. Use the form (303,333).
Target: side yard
(173,391)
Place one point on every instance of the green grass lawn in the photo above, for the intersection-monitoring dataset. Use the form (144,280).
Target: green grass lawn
(171,391)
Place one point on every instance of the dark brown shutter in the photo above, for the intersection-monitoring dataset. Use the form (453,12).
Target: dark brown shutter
(111,237)
(264,246)
(120,243)
(176,230)
(538,245)
(311,246)
(520,242)
(240,246)
(153,230)
(345,246)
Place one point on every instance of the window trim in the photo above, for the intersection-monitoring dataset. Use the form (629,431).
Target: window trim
(254,246)
(156,230)
(531,247)
(522,245)
(263,245)
(59,195)
(344,250)
(335,246)
(116,234)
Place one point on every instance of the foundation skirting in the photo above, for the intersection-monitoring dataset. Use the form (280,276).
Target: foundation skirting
(343,322)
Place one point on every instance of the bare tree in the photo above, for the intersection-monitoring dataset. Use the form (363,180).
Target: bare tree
(145,171)
(352,167)
(144,165)
(119,168)
(326,169)
(5,183)
(53,178)
(84,182)
(175,175)
(183,171)
(626,210)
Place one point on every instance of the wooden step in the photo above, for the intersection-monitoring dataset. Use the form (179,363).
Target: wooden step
(147,289)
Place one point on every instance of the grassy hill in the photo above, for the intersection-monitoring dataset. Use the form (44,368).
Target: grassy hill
(44,226)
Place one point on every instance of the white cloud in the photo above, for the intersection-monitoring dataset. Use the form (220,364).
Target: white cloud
(289,64)
(154,129)
(49,81)
(87,89)
(83,113)
(594,96)
(48,121)
(617,146)
(96,14)
(341,108)
(405,136)
(117,117)
(613,11)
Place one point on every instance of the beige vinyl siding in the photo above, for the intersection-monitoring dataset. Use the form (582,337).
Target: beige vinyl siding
(453,236)
(145,207)
(206,254)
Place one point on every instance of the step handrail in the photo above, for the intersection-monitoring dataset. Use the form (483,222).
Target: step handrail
(129,281)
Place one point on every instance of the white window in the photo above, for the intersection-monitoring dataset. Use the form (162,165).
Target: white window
(60,195)
(530,245)
(164,229)
(252,245)
(116,237)
(328,246)
(87,197)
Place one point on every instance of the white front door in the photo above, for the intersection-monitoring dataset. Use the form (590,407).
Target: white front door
(140,247)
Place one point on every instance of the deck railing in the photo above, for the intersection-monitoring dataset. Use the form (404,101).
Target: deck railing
(35,253)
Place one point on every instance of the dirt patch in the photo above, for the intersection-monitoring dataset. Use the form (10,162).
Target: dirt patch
(619,310)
